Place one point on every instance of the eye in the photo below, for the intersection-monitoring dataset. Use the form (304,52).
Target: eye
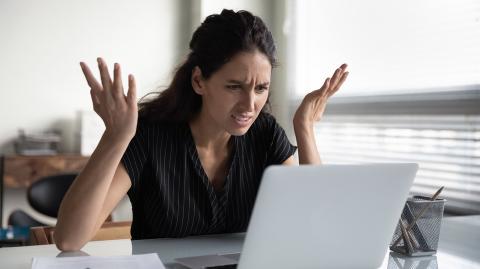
(261,89)
(234,87)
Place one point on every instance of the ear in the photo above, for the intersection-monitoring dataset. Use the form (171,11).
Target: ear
(198,82)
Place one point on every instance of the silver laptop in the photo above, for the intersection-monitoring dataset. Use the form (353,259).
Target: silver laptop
(328,216)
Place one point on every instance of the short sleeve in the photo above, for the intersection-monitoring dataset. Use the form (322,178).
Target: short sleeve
(135,156)
(280,148)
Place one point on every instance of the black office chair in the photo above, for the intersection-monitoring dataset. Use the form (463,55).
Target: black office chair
(45,196)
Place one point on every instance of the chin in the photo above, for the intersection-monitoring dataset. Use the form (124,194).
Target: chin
(238,132)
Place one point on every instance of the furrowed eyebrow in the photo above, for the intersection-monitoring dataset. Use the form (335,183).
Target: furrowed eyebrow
(241,82)
(264,84)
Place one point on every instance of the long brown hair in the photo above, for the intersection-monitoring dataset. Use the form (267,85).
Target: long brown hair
(213,44)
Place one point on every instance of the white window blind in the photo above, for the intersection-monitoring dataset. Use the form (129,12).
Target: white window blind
(447,149)
(391,46)
(413,94)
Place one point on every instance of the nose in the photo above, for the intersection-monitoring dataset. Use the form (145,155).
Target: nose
(248,100)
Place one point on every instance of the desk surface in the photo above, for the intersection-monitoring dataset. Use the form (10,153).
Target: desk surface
(459,247)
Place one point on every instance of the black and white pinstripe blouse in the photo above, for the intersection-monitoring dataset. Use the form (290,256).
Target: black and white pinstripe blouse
(171,195)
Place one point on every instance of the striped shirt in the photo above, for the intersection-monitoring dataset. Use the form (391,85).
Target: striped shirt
(171,195)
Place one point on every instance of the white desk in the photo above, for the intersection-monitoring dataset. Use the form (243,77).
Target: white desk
(459,248)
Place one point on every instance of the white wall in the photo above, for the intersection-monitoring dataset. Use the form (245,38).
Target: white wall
(42,43)
(41,84)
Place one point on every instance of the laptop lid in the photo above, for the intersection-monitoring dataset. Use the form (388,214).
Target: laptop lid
(328,216)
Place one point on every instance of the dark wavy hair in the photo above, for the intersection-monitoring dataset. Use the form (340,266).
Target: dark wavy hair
(213,44)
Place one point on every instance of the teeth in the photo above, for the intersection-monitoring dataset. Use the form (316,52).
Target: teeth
(241,118)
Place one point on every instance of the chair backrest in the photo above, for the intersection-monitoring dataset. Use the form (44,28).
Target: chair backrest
(110,230)
(46,194)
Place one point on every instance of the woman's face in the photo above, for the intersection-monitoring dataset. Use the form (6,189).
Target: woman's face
(234,95)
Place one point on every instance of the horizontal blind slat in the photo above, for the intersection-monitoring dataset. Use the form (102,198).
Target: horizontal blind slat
(447,149)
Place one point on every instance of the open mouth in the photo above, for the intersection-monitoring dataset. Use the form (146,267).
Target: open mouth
(242,120)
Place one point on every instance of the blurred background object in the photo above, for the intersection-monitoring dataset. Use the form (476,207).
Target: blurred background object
(45,196)
(45,143)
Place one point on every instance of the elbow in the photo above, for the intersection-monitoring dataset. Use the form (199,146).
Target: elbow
(65,244)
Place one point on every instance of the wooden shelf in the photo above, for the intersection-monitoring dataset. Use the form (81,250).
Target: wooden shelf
(21,171)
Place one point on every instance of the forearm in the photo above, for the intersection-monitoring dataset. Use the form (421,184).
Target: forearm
(82,204)
(310,111)
(307,147)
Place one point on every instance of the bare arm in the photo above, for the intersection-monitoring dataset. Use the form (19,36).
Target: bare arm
(310,111)
(93,195)
(103,181)
(307,147)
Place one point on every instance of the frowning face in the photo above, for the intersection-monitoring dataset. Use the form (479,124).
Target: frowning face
(234,95)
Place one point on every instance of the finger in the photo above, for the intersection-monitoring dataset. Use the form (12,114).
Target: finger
(92,82)
(323,89)
(104,75)
(132,91)
(340,71)
(117,90)
(337,87)
(336,76)
(95,100)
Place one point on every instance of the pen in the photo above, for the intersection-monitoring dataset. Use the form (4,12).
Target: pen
(427,206)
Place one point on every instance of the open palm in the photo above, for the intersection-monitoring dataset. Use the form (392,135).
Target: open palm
(314,103)
(118,112)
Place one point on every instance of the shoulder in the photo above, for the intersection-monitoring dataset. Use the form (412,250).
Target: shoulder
(264,121)
(165,126)
(152,130)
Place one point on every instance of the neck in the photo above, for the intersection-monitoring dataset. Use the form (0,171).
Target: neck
(208,135)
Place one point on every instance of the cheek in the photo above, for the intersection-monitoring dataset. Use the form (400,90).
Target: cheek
(261,101)
(219,103)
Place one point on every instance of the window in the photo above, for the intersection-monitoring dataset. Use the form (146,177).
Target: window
(414,91)
(391,46)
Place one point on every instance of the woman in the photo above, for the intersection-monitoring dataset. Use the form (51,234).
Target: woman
(193,163)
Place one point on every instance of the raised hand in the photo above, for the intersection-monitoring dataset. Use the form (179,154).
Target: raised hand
(118,112)
(313,105)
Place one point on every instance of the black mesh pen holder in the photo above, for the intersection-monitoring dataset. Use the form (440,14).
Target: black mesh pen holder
(418,229)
